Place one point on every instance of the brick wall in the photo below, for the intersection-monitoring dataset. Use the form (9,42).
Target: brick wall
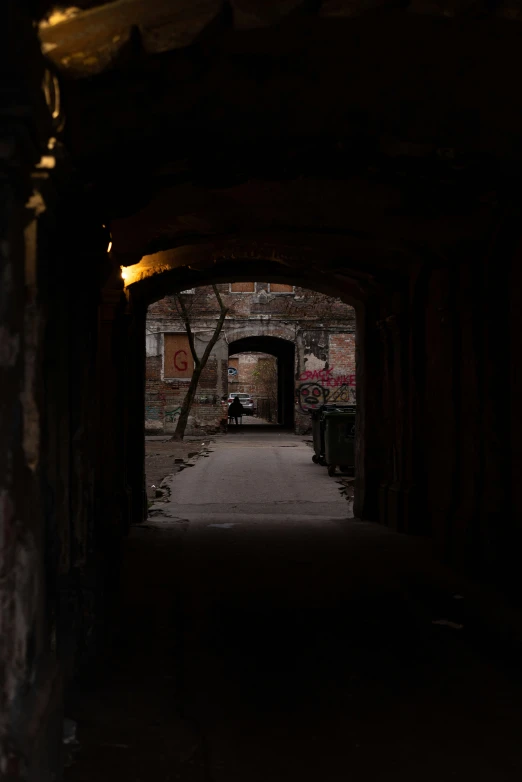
(301,304)
(164,396)
(322,328)
(342,354)
(247,364)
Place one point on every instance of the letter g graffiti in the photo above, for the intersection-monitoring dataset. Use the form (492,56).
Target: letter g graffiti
(180,363)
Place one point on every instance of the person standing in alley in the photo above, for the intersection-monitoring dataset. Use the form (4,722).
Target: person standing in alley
(236,410)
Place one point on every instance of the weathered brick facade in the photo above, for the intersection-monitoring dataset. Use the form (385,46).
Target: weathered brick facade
(320,329)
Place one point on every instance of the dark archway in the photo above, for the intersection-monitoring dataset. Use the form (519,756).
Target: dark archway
(186,135)
(168,272)
(284,351)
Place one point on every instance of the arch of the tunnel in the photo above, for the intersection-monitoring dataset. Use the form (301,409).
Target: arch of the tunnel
(284,351)
(362,297)
(272,260)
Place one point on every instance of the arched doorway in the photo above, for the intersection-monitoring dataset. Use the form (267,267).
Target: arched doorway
(284,352)
(171,271)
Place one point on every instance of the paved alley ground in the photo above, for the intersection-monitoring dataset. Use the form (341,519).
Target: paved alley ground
(266,636)
(256,475)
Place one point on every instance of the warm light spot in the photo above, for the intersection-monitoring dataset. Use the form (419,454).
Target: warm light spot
(59,15)
(124,272)
(46,161)
(109,248)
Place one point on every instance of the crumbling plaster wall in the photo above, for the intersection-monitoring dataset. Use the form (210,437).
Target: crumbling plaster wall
(325,371)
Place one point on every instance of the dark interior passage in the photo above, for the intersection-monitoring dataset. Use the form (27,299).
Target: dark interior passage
(372,154)
(284,351)
(262,635)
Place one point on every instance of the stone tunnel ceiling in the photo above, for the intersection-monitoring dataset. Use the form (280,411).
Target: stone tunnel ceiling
(313,227)
(293,131)
(253,69)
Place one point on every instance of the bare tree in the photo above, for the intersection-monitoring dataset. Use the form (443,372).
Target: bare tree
(199,363)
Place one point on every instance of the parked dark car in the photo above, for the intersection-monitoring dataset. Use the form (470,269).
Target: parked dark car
(246,400)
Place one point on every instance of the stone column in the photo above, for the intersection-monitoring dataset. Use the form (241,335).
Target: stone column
(113,505)
(386,406)
(397,399)
(514,286)
(135,403)
(468,382)
(463,451)
(370,457)
(401,502)
(439,423)
(30,691)
(384,428)
(495,535)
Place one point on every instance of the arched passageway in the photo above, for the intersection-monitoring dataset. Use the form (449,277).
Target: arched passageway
(161,274)
(208,143)
(284,351)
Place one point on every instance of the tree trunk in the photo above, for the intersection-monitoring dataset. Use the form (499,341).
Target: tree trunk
(199,363)
(187,404)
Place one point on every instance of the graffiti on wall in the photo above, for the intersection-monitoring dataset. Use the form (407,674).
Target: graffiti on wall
(327,378)
(171,415)
(319,386)
(180,360)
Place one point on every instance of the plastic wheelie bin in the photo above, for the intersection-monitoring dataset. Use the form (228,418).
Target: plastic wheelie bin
(339,439)
(316,436)
(318,432)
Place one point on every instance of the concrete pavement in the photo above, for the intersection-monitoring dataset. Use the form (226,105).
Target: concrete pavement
(253,475)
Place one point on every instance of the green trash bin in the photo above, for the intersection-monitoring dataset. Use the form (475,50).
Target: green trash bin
(339,439)
(316,436)
(318,431)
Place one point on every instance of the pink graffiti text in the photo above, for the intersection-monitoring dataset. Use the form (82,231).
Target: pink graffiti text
(327,378)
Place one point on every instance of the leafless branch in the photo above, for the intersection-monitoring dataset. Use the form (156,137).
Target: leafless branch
(183,311)
(222,315)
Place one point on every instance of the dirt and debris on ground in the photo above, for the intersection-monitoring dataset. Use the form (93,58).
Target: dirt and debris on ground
(346,482)
(164,456)
(346,487)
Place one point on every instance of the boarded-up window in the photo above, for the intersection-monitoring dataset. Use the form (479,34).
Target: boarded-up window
(242,287)
(276,287)
(178,358)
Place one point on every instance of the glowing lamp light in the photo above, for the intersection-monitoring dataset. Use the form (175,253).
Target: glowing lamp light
(124,272)
(109,247)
